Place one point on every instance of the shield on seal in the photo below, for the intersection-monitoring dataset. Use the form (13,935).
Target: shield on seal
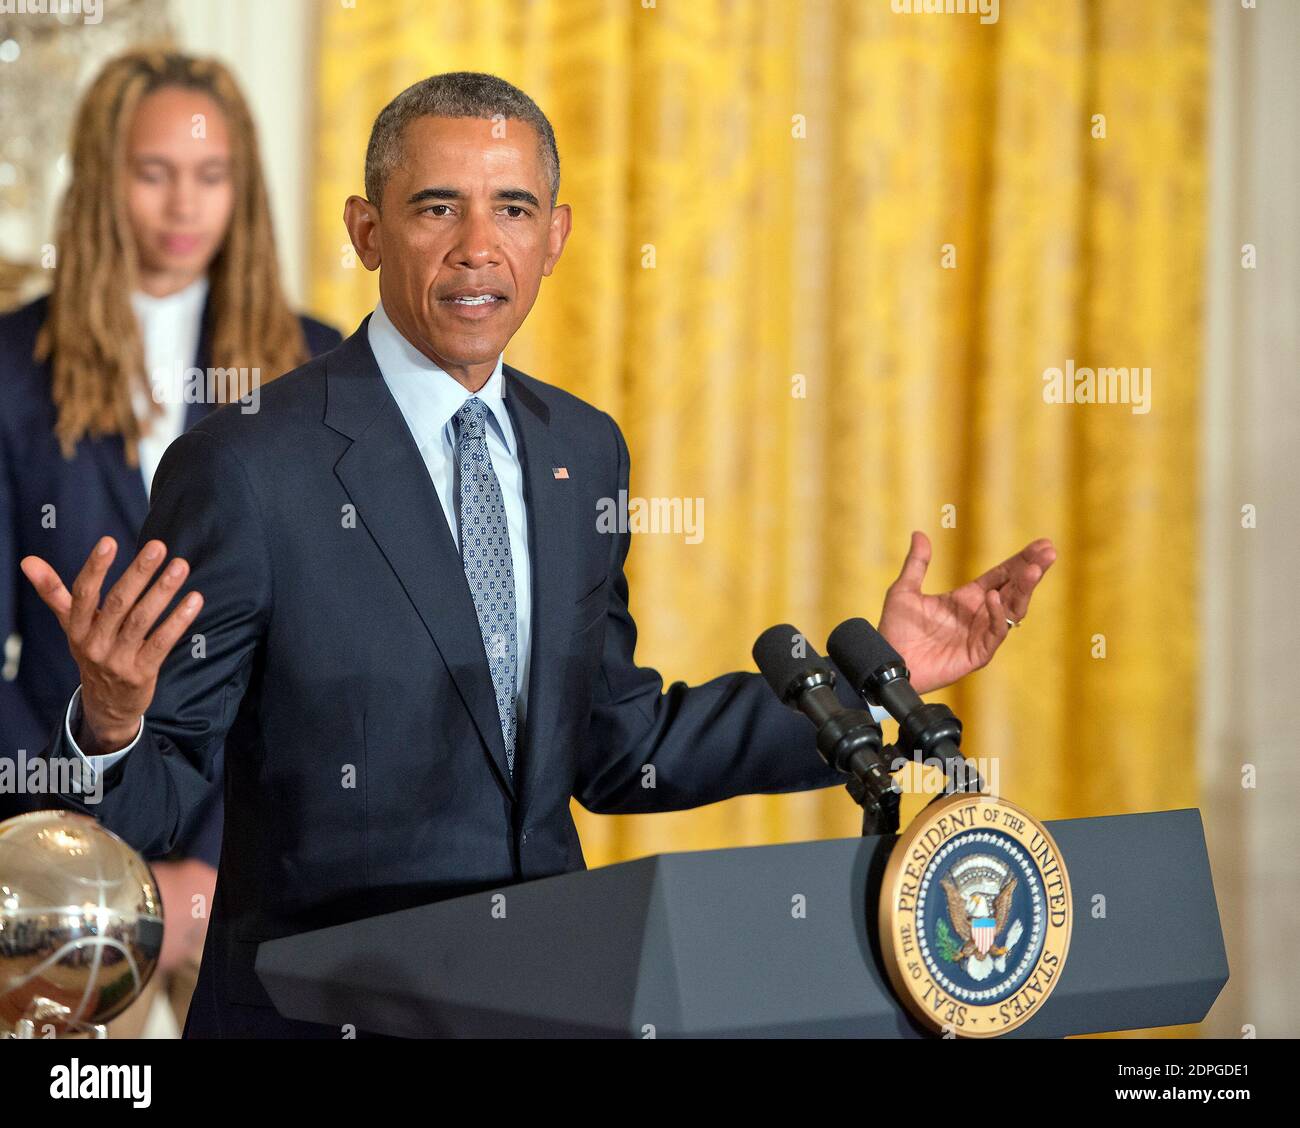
(982,931)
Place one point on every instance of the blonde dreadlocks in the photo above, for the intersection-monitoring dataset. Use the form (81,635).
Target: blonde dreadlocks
(90,334)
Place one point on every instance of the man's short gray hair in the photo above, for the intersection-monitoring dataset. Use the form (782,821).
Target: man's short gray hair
(456,94)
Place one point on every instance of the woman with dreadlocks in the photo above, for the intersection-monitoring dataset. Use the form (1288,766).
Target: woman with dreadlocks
(166,303)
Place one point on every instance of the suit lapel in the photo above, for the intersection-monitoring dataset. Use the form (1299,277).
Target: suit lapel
(125,483)
(202,361)
(385,476)
(552,535)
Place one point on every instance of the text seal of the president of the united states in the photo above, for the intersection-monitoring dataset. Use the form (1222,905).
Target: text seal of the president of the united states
(975,914)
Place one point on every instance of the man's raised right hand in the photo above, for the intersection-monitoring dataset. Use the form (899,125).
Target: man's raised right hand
(118,658)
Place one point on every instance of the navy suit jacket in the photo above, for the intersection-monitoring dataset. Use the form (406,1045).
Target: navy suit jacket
(345,672)
(95,493)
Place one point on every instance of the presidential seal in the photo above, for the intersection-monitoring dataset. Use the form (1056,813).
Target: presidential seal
(975,915)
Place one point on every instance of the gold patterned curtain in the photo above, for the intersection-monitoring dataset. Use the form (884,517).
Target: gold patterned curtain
(823,255)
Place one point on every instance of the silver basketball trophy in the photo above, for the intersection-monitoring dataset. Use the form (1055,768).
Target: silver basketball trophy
(81,925)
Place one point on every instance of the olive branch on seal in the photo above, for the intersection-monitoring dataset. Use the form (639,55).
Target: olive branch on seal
(945,942)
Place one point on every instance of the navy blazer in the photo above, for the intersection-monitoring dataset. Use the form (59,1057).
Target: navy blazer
(95,493)
(345,672)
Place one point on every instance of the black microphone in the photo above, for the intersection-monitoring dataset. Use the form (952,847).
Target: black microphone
(848,739)
(879,675)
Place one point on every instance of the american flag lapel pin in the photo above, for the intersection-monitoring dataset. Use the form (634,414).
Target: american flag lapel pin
(559,471)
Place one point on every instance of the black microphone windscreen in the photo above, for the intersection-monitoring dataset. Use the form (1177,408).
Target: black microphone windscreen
(858,649)
(784,655)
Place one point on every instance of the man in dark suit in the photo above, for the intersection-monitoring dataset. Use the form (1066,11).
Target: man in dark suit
(412,634)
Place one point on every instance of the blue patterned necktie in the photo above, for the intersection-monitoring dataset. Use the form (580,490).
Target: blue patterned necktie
(485,555)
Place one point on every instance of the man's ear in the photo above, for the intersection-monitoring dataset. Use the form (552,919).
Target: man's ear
(556,236)
(361,218)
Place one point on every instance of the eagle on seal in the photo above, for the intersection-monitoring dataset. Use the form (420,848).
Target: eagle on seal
(961,917)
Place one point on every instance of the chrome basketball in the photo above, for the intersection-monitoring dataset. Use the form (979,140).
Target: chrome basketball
(81,923)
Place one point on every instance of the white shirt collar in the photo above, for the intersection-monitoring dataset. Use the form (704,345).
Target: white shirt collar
(423,390)
(186,302)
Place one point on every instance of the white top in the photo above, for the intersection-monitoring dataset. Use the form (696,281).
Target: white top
(169,329)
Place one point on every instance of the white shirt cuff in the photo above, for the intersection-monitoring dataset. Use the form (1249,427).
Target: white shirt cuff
(93,764)
(879,714)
